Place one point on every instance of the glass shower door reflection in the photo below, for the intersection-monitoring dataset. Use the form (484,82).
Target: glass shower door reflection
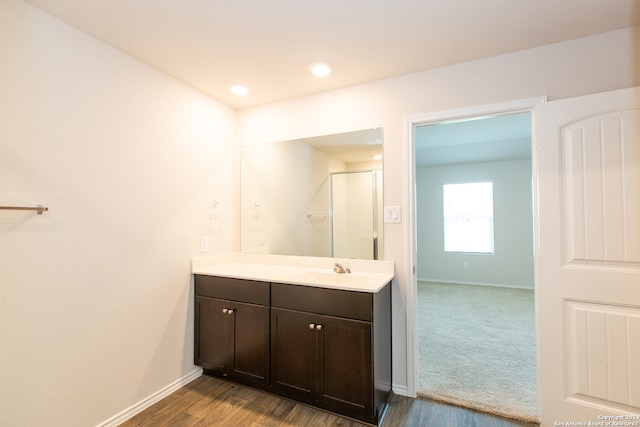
(354,209)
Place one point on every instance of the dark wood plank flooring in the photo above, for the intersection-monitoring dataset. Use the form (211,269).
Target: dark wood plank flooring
(209,401)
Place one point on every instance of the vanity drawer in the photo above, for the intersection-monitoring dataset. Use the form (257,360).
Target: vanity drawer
(250,291)
(332,302)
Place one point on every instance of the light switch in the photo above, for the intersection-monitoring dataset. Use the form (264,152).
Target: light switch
(392,214)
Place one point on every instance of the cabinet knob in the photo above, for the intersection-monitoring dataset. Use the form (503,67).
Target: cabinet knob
(225,310)
(318,327)
(312,325)
(230,311)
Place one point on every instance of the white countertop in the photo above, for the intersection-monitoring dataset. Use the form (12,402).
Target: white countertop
(365,276)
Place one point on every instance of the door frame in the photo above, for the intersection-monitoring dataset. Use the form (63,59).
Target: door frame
(516,106)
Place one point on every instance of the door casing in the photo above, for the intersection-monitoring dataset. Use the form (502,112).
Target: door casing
(517,106)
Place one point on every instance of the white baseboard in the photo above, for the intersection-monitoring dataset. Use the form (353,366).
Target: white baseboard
(402,390)
(147,402)
(464,282)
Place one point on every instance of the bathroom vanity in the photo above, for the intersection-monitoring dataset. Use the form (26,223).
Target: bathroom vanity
(293,327)
(232,328)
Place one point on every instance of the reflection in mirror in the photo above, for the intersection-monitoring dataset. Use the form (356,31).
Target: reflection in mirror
(319,196)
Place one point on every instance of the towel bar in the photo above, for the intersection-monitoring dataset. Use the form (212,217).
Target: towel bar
(38,208)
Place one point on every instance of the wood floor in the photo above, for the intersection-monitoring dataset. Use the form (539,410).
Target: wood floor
(209,401)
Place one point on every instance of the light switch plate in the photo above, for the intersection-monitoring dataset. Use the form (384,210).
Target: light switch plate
(392,214)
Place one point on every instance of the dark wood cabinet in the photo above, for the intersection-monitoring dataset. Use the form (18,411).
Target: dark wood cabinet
(345,377)
(293,345)
(322,360)
(337,355)
(232,334)
(326,347)
(213,327)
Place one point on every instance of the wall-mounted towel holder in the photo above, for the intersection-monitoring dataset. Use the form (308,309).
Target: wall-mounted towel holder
(314,217)
(38,208)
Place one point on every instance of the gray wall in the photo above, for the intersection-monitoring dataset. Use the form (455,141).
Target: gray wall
(512,262)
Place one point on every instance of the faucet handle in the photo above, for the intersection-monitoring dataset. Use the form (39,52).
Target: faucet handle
(339,268)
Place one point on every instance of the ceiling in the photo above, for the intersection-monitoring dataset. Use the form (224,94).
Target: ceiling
(269,45)
(350,147)
(481,139)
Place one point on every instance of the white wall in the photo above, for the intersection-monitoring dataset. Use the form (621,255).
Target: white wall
(95,295)
(512,261)
(589,65)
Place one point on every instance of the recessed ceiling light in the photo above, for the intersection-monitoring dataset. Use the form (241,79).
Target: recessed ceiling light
(240,89)
(321,69)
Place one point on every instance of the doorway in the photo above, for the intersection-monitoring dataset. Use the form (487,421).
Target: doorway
(456,270)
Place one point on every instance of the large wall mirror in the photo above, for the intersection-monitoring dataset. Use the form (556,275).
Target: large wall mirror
(319,196)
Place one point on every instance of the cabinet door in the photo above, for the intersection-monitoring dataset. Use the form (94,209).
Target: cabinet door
(293,354)
(250,342)
(345,375)
(213,326)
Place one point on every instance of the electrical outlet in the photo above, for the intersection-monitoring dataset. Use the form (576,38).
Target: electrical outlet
(465,265)
(204,243)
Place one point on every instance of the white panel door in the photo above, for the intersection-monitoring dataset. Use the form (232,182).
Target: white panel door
(588,282)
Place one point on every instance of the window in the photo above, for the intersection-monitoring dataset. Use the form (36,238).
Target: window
(468,217)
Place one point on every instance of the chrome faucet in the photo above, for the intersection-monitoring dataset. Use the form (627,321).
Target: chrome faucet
(339,268)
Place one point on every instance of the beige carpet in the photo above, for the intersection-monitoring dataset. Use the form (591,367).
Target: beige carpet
(477,348)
